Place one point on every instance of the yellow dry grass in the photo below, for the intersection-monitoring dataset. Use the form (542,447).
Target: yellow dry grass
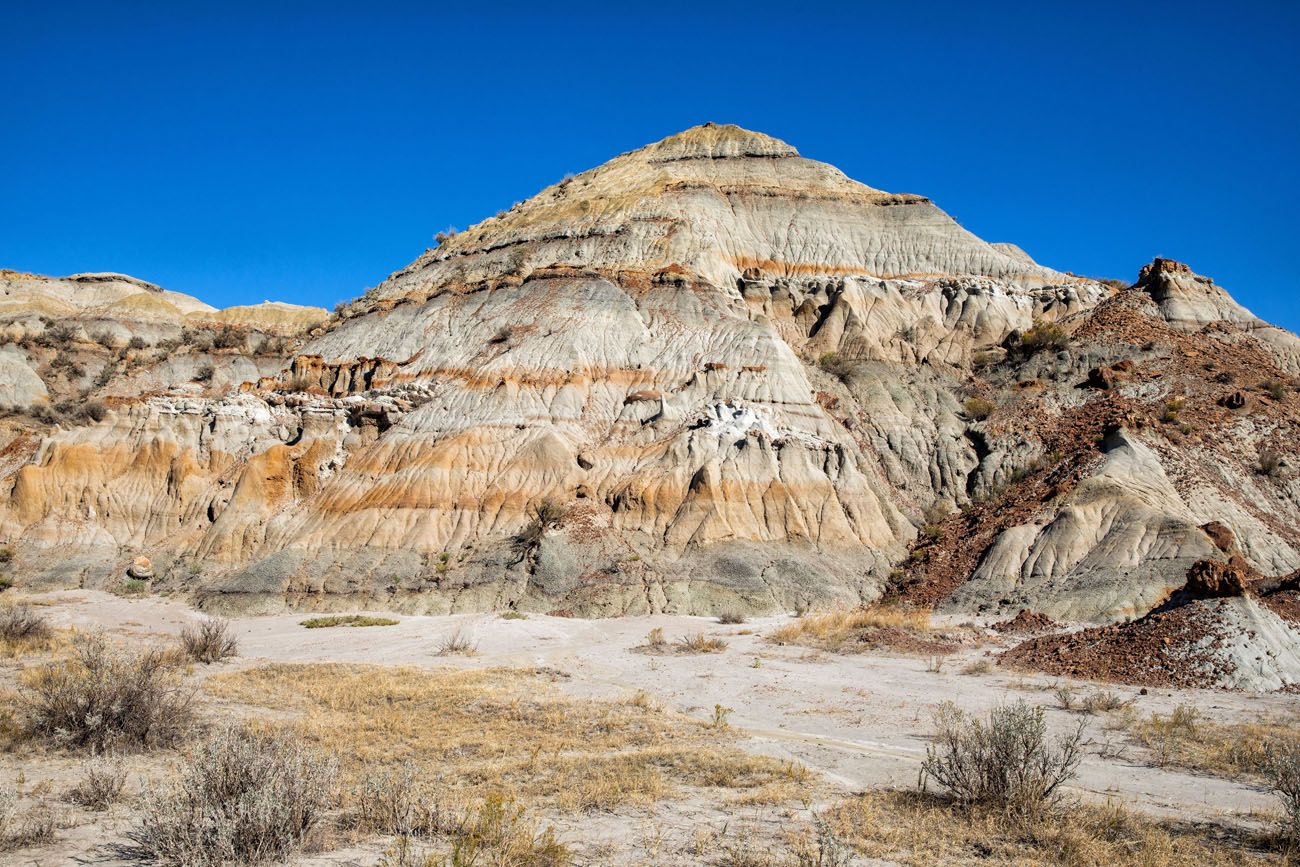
(832,630)
(57,640)
(476,733)
(1234,750)
(913,828)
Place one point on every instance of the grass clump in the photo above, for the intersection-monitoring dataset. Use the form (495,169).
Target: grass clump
(245,797)
(107,697)
(353,620)
(978,408)
(457,644)
(1004,761)
(700,643)
(513,615)
(845,629)
(210,641)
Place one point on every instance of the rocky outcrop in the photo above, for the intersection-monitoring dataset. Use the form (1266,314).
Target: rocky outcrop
(1210,579)
(708,374)
(1191,302)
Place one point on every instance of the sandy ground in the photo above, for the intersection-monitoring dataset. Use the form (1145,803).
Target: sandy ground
(861,721)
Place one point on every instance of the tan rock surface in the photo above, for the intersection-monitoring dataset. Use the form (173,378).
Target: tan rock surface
(710,373)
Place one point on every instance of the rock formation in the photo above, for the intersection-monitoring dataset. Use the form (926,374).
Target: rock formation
(708,374)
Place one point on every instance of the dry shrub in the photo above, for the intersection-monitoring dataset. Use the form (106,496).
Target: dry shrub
(700,643)
(834,630)
(457,644)
(1004,761)
(245,797)
(498,832)
(838,366)
(400,801)
(32,829)
(102,780)
(21,625)
(210,641)
(108,696)
(1105,701)
(731,618)
(473,733)
(8,804)
(1282,772)
(922,830)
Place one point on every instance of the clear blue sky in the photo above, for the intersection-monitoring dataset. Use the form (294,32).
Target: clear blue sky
(245,151)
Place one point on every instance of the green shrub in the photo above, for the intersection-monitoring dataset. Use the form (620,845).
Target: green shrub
(979,408)
(347,620)
(836,365)
(1043,336)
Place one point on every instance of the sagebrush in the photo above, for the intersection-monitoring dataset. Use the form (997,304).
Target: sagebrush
(1004,760)
(109,697)
(245,797)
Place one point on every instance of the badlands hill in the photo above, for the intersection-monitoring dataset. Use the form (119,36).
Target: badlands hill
(710,374)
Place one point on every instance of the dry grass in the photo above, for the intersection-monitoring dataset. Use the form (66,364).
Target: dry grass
(497,832)
(355,620)
(855,628)
(24,630)
(915,828)
(475,733)
(1233,750)
(697,642)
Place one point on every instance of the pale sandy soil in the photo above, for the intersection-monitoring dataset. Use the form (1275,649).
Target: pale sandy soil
(860,721)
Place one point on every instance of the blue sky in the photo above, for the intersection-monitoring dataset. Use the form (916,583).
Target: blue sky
(301,152)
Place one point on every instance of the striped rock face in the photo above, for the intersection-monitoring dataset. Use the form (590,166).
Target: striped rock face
(708,374)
